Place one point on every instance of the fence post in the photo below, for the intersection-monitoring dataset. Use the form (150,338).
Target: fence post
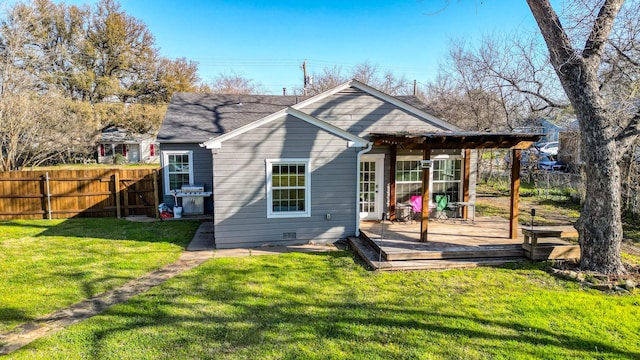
(48,196)
(156,200)
(125,196)
(116,190)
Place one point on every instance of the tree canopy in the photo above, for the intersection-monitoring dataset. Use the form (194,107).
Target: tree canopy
(96,65)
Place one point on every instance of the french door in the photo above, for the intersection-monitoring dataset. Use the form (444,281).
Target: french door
(371,186)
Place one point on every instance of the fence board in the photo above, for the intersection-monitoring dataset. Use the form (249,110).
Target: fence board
(94,193)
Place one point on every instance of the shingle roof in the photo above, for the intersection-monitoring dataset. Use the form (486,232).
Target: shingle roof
(120,135)
(195,118)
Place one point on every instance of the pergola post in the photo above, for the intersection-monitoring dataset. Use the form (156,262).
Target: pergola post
(466,182)
(515,193)
(392,182)
(426,175)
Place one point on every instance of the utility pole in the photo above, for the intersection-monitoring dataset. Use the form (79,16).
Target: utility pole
(415,88)
(304,71)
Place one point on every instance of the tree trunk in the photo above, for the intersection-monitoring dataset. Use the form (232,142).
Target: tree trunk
(600,223)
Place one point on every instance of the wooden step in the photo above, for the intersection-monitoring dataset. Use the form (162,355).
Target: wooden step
(543,251)
(373,258)
(445,252)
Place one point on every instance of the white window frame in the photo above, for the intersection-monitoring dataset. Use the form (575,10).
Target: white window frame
(307,187)
(431,176)
(400,158)
(165,167)
(458,181)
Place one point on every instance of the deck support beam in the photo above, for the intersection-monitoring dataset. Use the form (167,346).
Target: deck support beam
(515,193)
(426,174)
(466,182)
(393,152)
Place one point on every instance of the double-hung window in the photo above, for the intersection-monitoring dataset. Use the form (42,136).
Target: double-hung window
(288,188)
(408,179)
(447,178)
(178,169)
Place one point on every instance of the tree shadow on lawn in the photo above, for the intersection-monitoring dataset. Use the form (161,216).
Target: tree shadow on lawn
(378,325)
(17,319)
(224,310)
(175,232)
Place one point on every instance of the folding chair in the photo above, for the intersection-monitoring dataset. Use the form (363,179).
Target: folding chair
(416,206)
(442,202)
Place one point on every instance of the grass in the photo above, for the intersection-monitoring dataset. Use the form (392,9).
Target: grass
(49,264)
(326,306)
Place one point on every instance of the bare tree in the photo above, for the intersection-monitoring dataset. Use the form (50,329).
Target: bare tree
(468,93)
(328,78)
(232,83)
(364,72)
(604,133)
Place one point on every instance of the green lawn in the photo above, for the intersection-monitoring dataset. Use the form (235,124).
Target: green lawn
(327,306)
(46,265)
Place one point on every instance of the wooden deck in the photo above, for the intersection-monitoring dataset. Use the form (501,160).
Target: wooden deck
(396,246)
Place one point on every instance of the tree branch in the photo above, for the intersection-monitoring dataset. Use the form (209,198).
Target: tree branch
(555,37)
(629,134)
(597,40)
(622,54)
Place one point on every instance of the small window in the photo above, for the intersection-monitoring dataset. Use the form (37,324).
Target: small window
(121,149)
(288,188)
(177,169)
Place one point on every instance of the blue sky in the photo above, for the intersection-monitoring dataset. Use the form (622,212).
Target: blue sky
(267,41)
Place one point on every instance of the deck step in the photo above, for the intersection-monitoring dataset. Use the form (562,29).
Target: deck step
(450,253)
(374,259)
(543,251)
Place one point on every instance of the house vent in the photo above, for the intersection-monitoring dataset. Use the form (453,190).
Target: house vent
(288,236)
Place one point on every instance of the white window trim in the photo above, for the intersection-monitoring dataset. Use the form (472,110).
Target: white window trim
(459,181)
(307,175)
(165,167)
(433,158)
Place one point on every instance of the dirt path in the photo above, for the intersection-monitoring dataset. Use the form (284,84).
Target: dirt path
(54,322)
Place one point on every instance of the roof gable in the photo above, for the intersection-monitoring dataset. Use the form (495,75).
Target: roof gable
(395,101)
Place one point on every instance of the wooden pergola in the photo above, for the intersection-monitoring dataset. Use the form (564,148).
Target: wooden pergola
(457,140)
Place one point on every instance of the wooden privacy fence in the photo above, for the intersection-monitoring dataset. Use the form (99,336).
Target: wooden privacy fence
(57,194)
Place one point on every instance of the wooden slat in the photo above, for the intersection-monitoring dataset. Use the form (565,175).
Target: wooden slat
(23,194)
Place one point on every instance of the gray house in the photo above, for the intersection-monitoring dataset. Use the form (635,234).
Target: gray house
(293,170)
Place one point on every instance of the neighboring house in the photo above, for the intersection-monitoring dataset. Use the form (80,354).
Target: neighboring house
(134,148)
(549,130)
(290,170)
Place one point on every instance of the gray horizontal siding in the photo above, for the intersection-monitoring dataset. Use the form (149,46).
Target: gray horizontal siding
(202,171)
(361,113)
(240,215)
